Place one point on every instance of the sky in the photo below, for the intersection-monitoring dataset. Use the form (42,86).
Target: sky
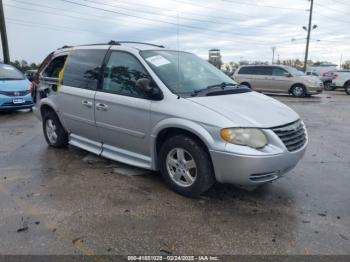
(242,30)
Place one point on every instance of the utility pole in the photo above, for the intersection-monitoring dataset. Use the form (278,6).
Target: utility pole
(5,47)
(273,54)
(308,34)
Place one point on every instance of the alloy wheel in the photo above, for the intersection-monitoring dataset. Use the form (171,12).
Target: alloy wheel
(181,167)
(51,131)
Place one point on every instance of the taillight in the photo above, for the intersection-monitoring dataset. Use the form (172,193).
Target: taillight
(334,76)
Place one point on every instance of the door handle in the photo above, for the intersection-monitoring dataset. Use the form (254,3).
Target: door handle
(101,107)
(86,103)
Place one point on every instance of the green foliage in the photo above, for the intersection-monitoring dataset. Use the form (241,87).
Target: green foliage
(346,64)
(23,65)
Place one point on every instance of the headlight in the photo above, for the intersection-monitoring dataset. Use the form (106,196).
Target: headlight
(252,137)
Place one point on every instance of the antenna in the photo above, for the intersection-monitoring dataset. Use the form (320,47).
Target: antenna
(178,52)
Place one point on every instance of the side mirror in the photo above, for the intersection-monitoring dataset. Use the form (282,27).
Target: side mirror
(287,74)
(149,88)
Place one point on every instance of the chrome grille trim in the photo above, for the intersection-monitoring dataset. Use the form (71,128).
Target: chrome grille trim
(293,135)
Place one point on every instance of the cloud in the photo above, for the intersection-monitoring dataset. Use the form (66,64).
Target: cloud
(241,29)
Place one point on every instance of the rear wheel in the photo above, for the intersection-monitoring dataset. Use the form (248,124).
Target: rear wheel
(328,86)
(54,132)
(347,88)
(298,91)
(185,166)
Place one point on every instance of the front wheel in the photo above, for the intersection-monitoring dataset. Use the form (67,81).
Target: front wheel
(299,91)
(185,166)
(54,132)
(347,89)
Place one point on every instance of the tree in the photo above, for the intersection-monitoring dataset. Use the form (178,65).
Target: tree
(346,64)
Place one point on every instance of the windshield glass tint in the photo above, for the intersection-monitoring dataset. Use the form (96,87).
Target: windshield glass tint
(8,72)
(295,72)
(183,72)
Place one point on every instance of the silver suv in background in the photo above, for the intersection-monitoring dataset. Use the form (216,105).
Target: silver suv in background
(278,79)
(166,111)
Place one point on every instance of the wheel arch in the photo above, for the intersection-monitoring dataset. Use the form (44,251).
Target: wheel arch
(347,83)
(44,108)
(48,106)
(245,83)
(169,128)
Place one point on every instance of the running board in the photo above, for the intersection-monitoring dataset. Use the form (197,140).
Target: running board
(86,144)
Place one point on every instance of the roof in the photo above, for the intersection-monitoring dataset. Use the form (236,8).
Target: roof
(132,44)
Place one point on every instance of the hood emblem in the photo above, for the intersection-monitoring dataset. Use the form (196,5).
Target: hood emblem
(16,93)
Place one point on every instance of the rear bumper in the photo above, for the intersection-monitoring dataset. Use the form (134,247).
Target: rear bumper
(250,171)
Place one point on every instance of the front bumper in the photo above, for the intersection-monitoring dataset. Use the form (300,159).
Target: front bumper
(6,102)
(250,171)
(312,90)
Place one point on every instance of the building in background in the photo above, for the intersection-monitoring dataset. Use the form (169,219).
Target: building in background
(215,57)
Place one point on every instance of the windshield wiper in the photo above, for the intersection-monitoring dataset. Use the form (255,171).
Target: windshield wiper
(221,85)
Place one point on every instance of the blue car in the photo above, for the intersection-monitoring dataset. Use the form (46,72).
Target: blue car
(14,89)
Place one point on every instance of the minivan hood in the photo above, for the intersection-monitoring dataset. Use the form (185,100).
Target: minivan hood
(249,109)
(14,85)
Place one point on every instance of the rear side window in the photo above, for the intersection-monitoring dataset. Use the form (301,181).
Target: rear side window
(82,69)
(249,70)
(263,70)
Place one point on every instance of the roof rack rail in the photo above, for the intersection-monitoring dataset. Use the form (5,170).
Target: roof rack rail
(112,42)
(65,46)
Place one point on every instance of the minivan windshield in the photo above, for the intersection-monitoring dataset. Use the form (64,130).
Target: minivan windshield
(8,72)
(295,72)
(184,72)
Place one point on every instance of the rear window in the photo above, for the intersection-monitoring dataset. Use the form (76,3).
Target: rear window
(8,72)
(82,69)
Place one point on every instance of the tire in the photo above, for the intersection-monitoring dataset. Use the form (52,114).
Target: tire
(246,84)
(54,133)
(298,91)
(191,180)
(347,88)
(328,86)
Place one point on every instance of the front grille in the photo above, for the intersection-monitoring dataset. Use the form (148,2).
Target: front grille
(293,135)
(15,93)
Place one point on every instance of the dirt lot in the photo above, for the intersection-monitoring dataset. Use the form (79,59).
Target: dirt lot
(71,202)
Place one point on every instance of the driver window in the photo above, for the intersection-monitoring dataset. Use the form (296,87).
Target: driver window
(54,68)
(121,74)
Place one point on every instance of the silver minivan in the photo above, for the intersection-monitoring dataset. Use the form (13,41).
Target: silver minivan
(167,111)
